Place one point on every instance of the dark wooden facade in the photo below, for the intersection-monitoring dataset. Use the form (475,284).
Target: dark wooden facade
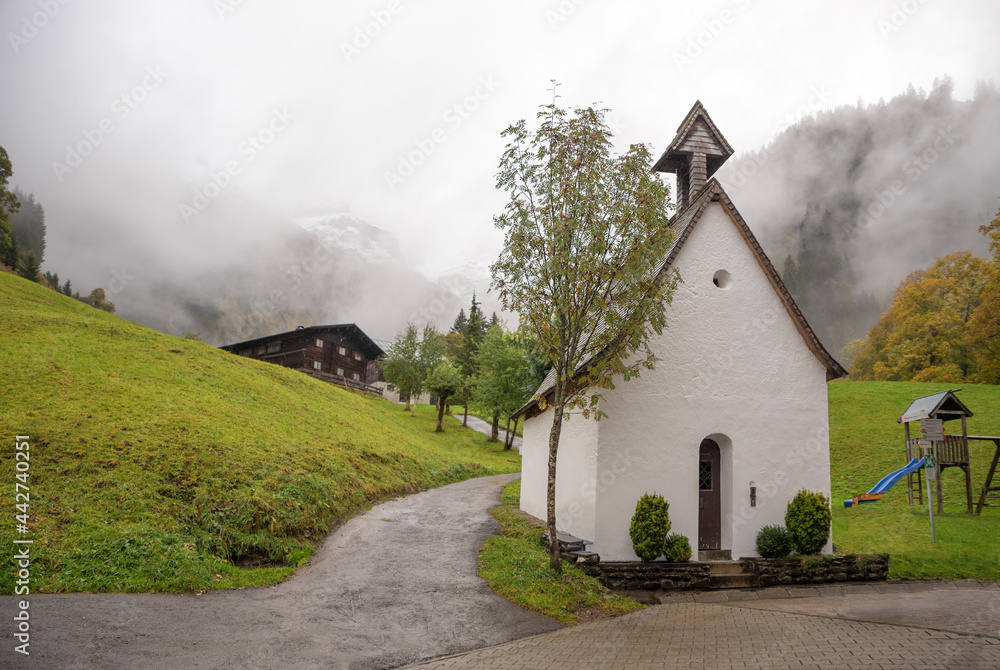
(341,354)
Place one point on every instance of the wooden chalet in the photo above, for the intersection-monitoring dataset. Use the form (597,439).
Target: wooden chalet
(340,354)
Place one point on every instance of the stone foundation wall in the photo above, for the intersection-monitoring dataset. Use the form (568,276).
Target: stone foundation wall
(662,576)
(654,576)
(817,569)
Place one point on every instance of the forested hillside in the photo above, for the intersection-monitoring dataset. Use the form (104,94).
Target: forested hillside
(851,201)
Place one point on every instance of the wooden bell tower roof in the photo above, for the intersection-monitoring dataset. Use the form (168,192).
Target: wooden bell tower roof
(698,150)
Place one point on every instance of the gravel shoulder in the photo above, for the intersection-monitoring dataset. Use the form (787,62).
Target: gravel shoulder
(394,585)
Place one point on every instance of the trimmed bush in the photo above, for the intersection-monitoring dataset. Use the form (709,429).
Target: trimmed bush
(774,542)
(676,548)
(649,527)
(808,521)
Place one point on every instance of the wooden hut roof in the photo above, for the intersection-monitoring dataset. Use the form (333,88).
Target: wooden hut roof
(943,405)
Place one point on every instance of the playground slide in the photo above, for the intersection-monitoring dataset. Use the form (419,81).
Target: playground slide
(885,484)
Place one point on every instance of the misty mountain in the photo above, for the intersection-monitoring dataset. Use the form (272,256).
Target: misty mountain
(338,228)
(257,272)
(852,200)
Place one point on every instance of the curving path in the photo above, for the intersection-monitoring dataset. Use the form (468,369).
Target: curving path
(484,427)
(394,585)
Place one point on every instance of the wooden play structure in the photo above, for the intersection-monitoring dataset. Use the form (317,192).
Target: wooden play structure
(950,452)
(990,495)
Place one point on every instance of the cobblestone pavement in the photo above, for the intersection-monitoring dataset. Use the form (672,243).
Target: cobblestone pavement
(688,631)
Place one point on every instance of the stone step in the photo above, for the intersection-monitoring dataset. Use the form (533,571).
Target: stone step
(715,555)
(721,568)
(731,581)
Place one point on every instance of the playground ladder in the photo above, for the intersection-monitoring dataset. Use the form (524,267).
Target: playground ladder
(988,482)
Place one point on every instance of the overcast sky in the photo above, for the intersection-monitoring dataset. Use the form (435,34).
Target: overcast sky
(395,108)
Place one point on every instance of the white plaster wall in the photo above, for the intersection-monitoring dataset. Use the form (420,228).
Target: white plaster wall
(733,367)
(575,472)
(393,396)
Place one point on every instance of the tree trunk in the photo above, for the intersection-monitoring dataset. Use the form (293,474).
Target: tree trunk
(465,419)
(495,433)
(506,436)
(440,427)
(555,559)
(407,408)
(511,435)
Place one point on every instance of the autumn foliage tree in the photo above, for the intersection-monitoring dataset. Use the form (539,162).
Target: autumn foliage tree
(925,334)
(585,235)
(984,327)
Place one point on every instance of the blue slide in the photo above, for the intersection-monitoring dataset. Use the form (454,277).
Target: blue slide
(885,484)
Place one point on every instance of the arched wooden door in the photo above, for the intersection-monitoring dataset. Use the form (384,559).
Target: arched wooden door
(709,496)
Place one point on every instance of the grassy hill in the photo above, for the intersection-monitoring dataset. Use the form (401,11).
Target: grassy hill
(164,464)
(866,443)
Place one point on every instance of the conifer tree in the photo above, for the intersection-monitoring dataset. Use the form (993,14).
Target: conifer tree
(9,253)
(460,321)
(29,267)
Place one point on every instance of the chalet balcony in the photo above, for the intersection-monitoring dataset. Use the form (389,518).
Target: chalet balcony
(341,380)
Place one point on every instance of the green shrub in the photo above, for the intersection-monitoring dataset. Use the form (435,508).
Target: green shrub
(774,542)
(676,548)
(649,527)
(808,520)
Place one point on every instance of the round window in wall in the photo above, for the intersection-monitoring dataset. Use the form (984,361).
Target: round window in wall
(721,279)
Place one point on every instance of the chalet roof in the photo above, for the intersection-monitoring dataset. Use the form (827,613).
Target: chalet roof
(944,405)
(348,331)
(682,224)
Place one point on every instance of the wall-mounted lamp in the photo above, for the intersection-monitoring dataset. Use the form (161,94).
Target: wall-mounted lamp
(753,495)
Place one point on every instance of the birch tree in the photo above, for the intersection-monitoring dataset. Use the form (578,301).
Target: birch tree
(585,238)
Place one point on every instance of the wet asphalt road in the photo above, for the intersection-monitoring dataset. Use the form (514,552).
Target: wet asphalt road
(395,585)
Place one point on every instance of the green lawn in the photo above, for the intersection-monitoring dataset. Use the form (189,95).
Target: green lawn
(516,565)
(161,464)
(866,443)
